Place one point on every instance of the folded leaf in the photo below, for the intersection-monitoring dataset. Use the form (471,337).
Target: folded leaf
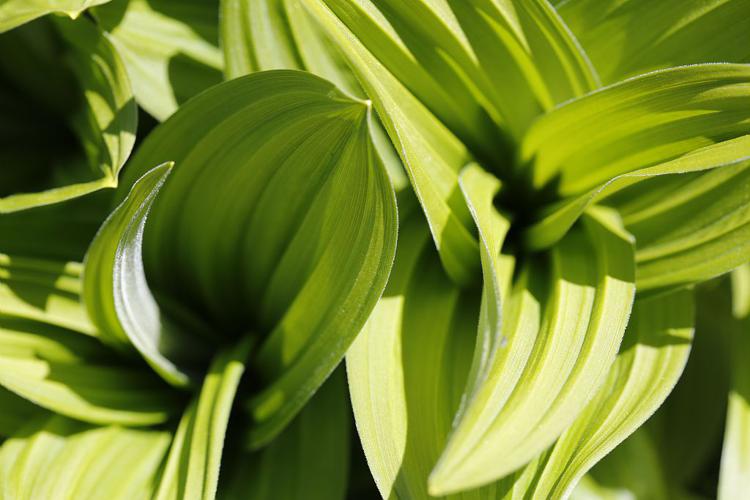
(563,323)
(75,375)
(43,290)
(431,154)
(278,218)
(55,457)
(632,470)
(98,109)
(628,37)
(280,34)
(170,48)
(653,355)
(118,298)
(698,229)
(192,468)
(734,477)
(638,123)
(310,459)
(408,367)
(16,12)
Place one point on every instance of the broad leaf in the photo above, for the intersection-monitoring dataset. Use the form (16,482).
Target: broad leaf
(563,321)
(628,37)
(642,122)
(170,48)
(408,367)
(43,290)
(653,355)
(55,457)
(310,459)
(278,218)
(16,12)
(192,468)
(118,298)
(94,104)
(75,375)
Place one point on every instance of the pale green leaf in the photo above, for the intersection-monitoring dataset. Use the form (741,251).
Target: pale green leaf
(652,357)
(192,468)
(75,375)
(407,368)
(642,122)
(16,12)
(628,37)
(55,457)
(43,290)
(632,470)
(170,48)
(734,478)
(562,324)
(279,219)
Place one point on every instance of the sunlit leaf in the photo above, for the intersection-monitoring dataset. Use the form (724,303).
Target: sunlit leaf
(55,457)
(16,12)
(563,322)
(170,48)
(627,37)
(192,468)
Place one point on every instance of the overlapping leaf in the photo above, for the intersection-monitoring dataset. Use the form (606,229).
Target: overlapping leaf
(310,459)
(192,468)
(734,479)
(677,121)
(170,48)
(278,218)
(56,457)
(94,103)
(17,12)
(563,322)
(628,37)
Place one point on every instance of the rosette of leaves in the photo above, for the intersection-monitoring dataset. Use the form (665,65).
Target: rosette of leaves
(559,178)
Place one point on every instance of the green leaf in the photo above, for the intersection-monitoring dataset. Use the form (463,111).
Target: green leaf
(280,34)
(734,480)
(43,290)
(628,37)
(407,368)
(118,298)
(59,232)
(562,324)
(192,468)
(99,110)
(17,12)
(431,154)
(632,470)
(289,234)
(310,459)
(652,357)
(642,122)
(17,412)
(75,375)
(55,457)
(699,228)
(170,48)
